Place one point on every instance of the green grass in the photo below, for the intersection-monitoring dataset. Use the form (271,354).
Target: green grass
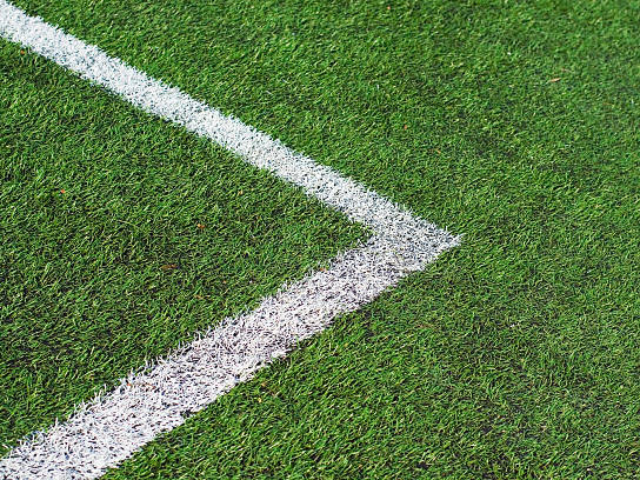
(514,356)
(122,236)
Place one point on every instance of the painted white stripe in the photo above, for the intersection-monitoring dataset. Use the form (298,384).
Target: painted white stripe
(102,433)
(255,147)
(108,430)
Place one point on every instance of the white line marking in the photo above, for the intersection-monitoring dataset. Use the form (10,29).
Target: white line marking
(109,429)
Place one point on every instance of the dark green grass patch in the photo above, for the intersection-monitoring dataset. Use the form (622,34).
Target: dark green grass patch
(122,236)
(515,123)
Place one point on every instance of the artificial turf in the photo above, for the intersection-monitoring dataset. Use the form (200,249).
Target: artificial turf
(514,123)
(122,236)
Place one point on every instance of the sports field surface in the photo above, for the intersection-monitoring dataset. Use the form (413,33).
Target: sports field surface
(508,348)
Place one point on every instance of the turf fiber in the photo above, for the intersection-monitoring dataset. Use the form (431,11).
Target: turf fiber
(514,123)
